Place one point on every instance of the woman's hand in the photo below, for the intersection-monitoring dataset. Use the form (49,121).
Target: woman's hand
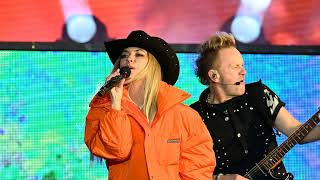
(116,91)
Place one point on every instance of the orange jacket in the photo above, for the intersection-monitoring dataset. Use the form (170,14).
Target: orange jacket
(177,145)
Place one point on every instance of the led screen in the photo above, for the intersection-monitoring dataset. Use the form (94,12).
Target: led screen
(44,97)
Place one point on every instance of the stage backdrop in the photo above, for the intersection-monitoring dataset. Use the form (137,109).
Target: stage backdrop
(44,97)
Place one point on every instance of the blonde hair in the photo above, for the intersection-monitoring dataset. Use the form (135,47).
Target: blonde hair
(208,54)
(152,74)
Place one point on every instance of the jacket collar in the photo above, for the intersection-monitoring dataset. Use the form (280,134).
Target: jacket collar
(168,97)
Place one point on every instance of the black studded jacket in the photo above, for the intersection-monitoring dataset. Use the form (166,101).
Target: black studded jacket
(242,128)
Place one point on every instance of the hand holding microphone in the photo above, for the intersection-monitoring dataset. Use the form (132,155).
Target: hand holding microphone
(124,73)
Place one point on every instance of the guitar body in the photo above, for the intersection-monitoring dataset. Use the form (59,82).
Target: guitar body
(270,175)
(281,176)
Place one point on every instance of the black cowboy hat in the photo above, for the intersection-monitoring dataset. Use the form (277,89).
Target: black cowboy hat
(160,49)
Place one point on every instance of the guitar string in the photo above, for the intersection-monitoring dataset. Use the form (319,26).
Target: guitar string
(263,161)
(254,170)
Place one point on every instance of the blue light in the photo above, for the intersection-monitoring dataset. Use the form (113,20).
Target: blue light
(245,29)
(81,28)
(256,6)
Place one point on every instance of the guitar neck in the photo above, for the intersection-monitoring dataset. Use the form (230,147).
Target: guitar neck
(278,153)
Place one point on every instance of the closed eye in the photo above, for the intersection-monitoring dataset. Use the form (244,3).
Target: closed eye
(123,56)
(238,66)
(139,55)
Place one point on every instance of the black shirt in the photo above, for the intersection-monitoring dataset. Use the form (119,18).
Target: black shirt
(242,128)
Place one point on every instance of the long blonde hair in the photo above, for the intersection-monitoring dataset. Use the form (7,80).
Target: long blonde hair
(152,74)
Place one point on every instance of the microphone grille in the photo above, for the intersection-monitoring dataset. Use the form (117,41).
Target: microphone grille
(125,71)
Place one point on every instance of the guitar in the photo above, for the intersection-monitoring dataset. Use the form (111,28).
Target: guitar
(266,165)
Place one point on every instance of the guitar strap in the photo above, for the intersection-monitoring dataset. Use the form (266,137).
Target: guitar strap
(239,126)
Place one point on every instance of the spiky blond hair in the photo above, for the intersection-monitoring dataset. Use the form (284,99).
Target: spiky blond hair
(208,54)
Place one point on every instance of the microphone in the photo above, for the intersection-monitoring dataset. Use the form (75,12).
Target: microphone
(236,83)
(124,73)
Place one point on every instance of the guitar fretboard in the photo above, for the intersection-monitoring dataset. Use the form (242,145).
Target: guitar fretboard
(278,153)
